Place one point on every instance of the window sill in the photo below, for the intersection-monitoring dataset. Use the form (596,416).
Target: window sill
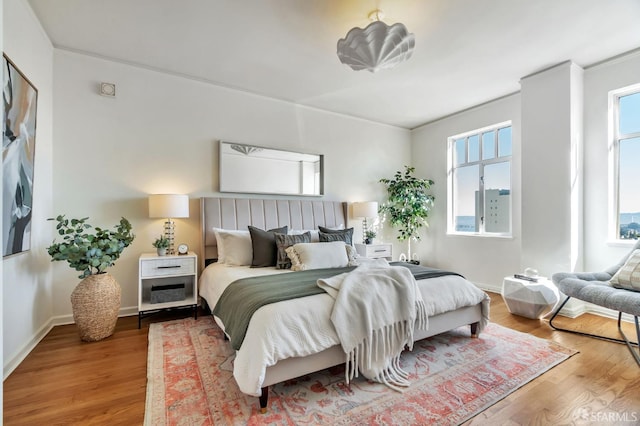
(621,243)
(478,235)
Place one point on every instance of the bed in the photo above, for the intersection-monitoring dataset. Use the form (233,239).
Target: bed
(271,352)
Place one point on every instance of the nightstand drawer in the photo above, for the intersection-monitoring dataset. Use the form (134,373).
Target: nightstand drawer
(374,250)
(169,266)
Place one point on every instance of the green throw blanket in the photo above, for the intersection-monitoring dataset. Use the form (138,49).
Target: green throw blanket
(245,296)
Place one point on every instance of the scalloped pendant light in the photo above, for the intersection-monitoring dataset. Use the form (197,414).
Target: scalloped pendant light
(378,46)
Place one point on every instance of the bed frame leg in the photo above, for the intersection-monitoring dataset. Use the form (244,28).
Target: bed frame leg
(474,329)
(264,399)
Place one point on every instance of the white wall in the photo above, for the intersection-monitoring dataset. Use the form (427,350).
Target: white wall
(560,178)
(599,80)
(551,143)
(483,260)
(159,135)
(26,277)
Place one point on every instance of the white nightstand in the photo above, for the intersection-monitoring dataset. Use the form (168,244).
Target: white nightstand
(374,251)
(166,282)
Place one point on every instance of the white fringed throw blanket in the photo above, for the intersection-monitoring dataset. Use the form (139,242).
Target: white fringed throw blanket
(375,310)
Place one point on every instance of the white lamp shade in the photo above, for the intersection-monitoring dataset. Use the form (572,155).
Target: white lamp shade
(168,205)
(365,209)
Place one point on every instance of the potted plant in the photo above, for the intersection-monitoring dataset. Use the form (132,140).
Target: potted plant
(161,244)
(408,205)
(96,299)
(369,236)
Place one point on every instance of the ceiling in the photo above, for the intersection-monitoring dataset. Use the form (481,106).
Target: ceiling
(467,51)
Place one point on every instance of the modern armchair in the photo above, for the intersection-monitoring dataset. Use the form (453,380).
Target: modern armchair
(594,287)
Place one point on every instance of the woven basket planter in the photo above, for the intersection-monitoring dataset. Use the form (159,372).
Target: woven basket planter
(96,302)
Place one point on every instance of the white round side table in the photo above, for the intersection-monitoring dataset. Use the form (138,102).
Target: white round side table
(529,299)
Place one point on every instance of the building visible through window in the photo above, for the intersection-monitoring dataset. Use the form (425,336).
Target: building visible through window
(479,183)
(625,161)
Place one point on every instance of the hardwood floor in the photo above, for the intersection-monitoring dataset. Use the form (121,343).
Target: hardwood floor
(67,382)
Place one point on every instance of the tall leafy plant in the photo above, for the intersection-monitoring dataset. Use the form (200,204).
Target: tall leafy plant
(408,204)
(89,253)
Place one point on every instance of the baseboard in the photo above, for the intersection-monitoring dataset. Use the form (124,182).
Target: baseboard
(492,288)
(573,309)
(15,361)
(605,312)
(68,319)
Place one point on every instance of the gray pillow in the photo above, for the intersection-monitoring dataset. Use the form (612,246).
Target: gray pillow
(265,252)
(283,242)
(328,235)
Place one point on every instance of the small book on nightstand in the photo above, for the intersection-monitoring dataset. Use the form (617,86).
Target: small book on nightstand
(526,278)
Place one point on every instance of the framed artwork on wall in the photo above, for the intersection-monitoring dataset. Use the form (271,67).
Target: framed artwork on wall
(18,150)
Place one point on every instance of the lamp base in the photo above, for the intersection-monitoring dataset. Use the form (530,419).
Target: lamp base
(169,233)
(365,228)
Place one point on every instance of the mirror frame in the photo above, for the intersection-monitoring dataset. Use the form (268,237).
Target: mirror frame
(231,185)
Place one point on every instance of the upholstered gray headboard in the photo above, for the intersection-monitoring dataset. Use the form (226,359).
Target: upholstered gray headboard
(238,213)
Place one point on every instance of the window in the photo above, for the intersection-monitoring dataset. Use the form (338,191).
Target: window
(479,183)
(625,159)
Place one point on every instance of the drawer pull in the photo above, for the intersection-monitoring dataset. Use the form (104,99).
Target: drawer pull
(380,251)
(170,267)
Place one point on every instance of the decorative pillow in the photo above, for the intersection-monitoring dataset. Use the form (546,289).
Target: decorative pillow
(315,237)
(352,254)
(263,244)
(234,247)
(283,241)
(328,235)
(330,230)
(306,256)
(628,277)
(292,255)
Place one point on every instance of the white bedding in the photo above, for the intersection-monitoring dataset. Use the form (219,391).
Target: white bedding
(301,327)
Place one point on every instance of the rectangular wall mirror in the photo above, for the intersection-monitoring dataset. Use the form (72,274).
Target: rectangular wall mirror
(260,170)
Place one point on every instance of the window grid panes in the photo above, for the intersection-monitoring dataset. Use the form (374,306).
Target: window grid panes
(480,182)
(488,145)
(627,152)
(473,147)
(504,141)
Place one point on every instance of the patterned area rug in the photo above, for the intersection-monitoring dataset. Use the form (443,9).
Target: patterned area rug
(454,377)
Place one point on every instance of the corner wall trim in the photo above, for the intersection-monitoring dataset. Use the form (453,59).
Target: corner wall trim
(17,358)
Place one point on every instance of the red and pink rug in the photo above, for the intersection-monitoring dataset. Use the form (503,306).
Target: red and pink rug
(454,377)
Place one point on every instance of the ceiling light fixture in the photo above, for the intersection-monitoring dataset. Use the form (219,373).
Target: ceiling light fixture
(378,46)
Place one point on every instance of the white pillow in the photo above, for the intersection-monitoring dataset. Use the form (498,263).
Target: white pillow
(628,277)
(234,247)
(306,256)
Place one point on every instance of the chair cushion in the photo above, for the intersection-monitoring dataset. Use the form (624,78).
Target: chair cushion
(628,276)
(594,288)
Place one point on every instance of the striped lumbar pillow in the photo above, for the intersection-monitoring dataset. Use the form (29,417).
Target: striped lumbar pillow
(628,277)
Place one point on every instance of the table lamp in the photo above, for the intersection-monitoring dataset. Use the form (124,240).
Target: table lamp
(169,206)
(365,209)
